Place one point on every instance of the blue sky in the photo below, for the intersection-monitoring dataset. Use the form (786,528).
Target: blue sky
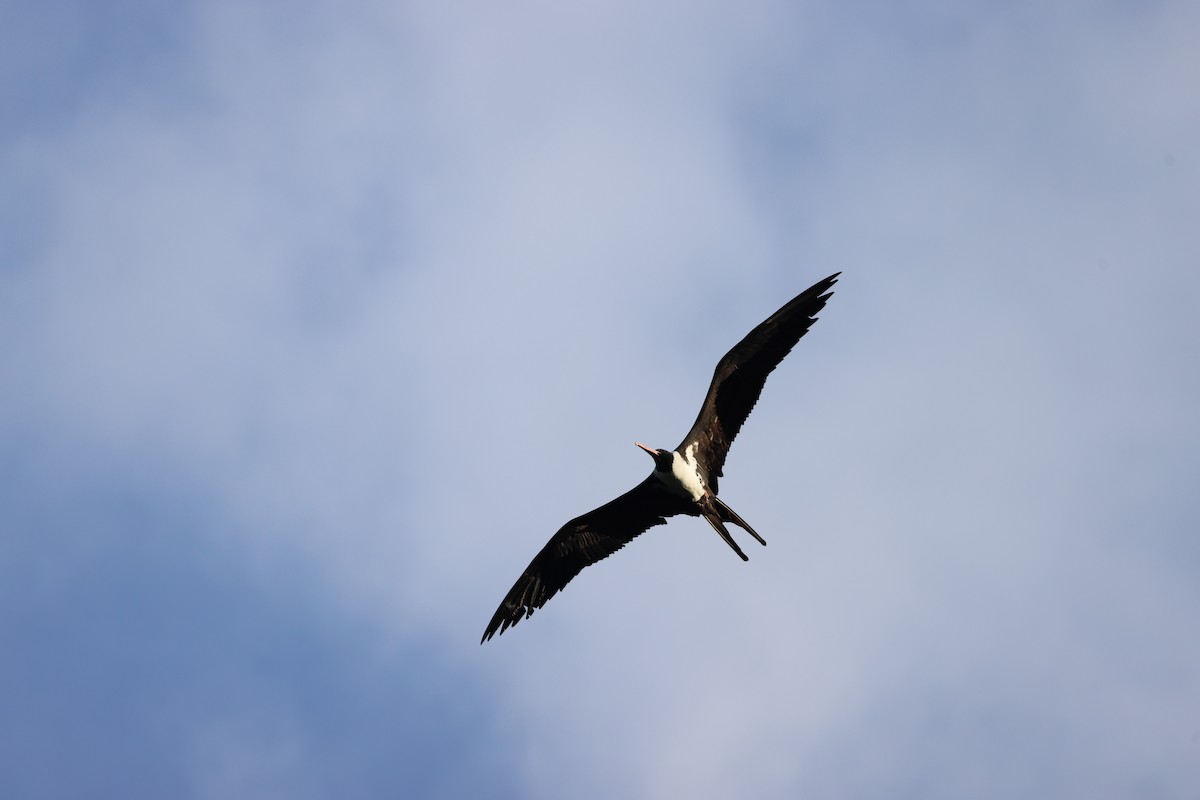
(316,322)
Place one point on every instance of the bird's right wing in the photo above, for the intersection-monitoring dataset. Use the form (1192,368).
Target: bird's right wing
(582,542)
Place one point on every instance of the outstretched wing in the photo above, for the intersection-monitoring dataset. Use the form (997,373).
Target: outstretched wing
(582,542)
(739,377)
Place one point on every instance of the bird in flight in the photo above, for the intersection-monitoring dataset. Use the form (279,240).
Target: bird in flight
(684,480)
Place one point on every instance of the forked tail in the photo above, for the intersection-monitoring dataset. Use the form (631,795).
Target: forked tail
(719,527)
(726,514)
(729,515)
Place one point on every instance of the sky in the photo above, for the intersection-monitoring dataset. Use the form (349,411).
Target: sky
(317,320)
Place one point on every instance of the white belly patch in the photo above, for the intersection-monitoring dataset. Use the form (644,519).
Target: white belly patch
(684,477)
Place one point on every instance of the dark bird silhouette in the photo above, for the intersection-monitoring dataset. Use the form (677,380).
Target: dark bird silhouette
(684,480)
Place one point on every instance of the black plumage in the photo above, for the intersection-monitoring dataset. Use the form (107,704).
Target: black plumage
(684,480)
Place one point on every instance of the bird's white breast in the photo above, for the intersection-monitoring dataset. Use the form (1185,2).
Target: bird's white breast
(684,477)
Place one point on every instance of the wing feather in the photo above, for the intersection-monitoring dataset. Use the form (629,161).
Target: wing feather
(580,543)
(739,376)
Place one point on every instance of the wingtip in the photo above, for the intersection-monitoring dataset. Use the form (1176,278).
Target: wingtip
(496,626)
(495,629)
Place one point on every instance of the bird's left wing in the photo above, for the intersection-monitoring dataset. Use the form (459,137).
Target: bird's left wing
(739,377)
(582,542)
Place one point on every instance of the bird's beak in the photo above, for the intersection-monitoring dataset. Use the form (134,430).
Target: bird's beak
(653,453)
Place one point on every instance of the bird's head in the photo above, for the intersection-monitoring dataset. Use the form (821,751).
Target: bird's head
(662,458)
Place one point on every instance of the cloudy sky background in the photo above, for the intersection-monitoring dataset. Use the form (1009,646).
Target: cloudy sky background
(317,320)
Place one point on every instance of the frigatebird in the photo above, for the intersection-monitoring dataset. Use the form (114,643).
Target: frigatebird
(684,480)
